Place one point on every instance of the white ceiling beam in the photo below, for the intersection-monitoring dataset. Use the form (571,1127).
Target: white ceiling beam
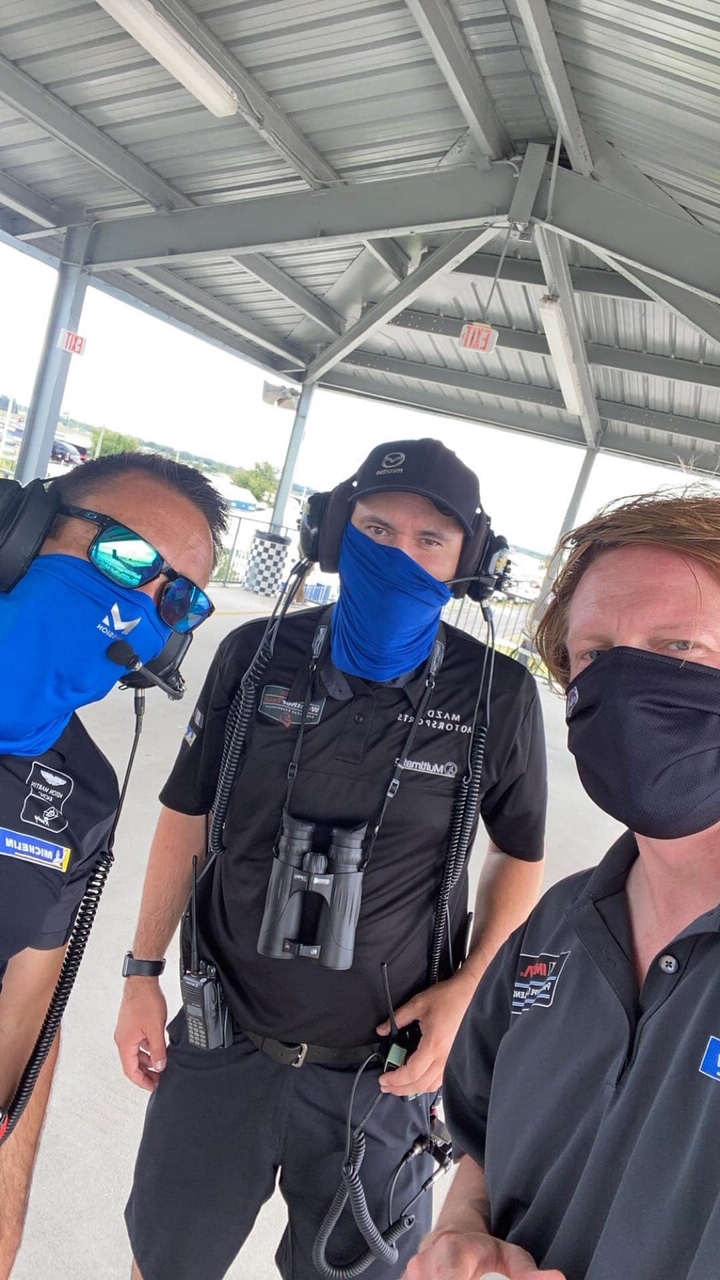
(168,282)
(21,199)
(128,289)
(632,231)
(374,317)
(265,270)
(559,284)
(587,211)
(620,359)
(698,456)
(546,51)
(51,114)
(615,170)
(47,111)
(254,105)
(527,271)
(336,215)
(447,44)
(260,111)
(482,385)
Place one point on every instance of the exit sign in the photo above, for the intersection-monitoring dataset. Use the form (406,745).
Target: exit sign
(478,337)
(72,342)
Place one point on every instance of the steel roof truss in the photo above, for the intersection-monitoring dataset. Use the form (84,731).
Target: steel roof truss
(375,316)
(546,51)
(336,215)
(445,38)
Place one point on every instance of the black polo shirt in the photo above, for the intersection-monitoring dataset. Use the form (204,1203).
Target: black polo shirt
(354,733)
(593,1107)
(56,810)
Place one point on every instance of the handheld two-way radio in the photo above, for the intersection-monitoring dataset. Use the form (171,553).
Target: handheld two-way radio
(206,1013)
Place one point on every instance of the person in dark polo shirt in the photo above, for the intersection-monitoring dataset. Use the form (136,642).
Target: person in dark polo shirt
(584,1084)
(109,525)
(222,1122)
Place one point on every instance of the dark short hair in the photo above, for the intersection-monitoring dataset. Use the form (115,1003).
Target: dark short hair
(75,486)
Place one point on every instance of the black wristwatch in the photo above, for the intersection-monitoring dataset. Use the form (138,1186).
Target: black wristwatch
(133,968)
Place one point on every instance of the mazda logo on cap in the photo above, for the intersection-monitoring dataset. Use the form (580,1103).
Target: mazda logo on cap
(393,459)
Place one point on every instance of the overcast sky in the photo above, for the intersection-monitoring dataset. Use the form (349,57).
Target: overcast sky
(144,377)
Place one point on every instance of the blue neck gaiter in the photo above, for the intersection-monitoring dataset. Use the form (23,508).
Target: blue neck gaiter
(56,626)
(386,619)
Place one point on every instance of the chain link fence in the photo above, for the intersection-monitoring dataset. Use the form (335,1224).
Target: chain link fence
(513,627)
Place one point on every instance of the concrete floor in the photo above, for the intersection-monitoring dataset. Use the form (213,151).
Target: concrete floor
(75,1229)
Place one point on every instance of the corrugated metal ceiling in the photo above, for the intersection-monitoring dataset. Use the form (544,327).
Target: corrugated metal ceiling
(365,87)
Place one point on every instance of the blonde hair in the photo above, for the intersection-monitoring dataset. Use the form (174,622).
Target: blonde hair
(687,522)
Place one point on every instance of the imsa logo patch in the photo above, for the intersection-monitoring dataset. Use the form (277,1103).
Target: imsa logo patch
(536,980)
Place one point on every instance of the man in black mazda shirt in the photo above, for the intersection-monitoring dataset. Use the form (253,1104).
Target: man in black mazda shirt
(372,699)
(127,555)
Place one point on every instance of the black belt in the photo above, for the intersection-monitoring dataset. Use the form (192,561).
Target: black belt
(294,1055)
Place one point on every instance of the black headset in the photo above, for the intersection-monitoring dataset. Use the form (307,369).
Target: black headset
(483,566)
(27,514)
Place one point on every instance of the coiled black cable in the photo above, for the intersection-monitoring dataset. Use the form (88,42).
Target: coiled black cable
(84,921)
(381,1244)
(65,983)
(241,712)
(465,808)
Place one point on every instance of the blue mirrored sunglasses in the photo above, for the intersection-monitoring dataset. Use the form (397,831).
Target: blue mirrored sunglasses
(131,561)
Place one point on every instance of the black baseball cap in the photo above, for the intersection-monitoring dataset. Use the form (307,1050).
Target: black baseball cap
(426,467)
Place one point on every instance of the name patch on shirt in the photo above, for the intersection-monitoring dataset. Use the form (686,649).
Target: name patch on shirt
(536,980)
(274,704)
(44,802)
(13,844)
(710,1065)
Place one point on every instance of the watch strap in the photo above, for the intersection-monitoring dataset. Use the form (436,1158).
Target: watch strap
(133,968)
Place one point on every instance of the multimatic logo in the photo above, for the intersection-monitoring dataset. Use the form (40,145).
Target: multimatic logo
(113,624)
(536,980)
(448,770)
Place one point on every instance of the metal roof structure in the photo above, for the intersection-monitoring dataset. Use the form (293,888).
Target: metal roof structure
(395,169)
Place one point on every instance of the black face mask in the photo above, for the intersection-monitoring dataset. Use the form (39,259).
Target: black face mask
(645,733)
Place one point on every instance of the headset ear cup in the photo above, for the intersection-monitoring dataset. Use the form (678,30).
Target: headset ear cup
(332,526)
(322,525)
(26,516)
(471,556)
(493,570)
(310,521)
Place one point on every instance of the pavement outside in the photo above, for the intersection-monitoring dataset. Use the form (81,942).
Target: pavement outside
(75,1228)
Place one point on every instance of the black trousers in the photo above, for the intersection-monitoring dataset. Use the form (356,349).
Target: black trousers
(219,1128)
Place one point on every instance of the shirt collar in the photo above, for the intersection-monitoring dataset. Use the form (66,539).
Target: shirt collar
(610,876)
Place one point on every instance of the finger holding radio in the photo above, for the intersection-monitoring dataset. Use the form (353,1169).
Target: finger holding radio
(439,1011)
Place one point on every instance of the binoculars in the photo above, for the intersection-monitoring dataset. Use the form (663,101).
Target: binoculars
(304,878)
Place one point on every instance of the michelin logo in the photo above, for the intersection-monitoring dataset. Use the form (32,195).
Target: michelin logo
(448,770)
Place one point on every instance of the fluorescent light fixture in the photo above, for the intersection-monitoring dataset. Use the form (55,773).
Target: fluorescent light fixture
(561,350)
(168,47)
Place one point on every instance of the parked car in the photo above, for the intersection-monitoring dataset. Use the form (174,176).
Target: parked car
(64,452)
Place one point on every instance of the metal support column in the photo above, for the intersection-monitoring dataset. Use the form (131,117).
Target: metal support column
(51,377)
(569,519)
(291,457)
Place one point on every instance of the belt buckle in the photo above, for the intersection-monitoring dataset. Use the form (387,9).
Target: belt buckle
(301,1055)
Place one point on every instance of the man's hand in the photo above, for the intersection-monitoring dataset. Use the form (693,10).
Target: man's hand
(439,1010)
(469,1255)
(140,1032)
